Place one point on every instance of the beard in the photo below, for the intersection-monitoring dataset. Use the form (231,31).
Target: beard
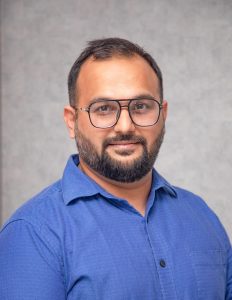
(114,169)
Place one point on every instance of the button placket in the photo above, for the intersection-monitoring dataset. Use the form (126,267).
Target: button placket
(159,248)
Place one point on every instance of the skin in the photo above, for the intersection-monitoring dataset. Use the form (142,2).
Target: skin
(117,78)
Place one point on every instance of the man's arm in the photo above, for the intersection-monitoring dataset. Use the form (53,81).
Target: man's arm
(229,276)
(29,268)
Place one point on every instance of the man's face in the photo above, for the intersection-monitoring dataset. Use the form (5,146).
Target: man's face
(125,152)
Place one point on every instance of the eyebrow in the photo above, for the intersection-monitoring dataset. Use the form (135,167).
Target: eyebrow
(139,96)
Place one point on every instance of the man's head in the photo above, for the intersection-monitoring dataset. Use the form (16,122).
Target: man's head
(103,49)
(116,113)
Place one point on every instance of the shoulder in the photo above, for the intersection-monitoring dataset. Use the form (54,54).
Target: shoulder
(40,209)
(193,200)
(200,209)
(37,221)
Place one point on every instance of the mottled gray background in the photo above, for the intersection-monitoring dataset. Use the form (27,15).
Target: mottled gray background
(192,42)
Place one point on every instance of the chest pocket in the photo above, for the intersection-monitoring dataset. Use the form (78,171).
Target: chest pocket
(210,272)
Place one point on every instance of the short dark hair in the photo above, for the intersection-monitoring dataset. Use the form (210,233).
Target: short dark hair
(101,49)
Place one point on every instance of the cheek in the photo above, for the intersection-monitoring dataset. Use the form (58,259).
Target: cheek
(152,135)
(94,135)
(96,141)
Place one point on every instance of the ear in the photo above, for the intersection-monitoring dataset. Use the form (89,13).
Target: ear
(70,118)
(164,109)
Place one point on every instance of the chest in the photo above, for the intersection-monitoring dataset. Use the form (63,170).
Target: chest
(125,256)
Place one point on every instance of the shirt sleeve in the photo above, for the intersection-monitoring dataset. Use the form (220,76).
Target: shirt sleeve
(29,269)
(229,276)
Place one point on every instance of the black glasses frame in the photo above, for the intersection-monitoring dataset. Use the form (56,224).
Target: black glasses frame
(87,109)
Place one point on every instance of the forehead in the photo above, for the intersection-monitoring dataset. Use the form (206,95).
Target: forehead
(115,78)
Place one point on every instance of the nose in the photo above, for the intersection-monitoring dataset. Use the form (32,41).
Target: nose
(124,124)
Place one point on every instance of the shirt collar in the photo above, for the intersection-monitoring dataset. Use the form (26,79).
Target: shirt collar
(158,182)
(75,184)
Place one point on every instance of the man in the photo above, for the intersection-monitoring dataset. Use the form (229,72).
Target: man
(112,228)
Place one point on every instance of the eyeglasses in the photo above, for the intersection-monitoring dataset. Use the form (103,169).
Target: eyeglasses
(106,113)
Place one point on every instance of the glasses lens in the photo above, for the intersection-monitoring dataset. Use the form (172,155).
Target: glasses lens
(144,112)
(103,114)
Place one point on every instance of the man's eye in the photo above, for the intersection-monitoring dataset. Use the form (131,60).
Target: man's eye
(104,109)
(139,106)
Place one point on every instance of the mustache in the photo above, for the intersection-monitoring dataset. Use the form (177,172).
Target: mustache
(124,137)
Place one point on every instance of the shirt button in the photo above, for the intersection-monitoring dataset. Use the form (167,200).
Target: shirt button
(162,263)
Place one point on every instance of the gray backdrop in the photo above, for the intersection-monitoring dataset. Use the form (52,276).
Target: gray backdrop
(190,39)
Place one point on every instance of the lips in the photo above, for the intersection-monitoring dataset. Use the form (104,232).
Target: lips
(121,142)
(124,145)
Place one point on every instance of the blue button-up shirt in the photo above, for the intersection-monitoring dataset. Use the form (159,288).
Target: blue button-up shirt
(76,241)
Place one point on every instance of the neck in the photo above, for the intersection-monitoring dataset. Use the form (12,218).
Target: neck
(136,193)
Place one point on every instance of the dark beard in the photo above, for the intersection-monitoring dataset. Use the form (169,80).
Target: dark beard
(115,169)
